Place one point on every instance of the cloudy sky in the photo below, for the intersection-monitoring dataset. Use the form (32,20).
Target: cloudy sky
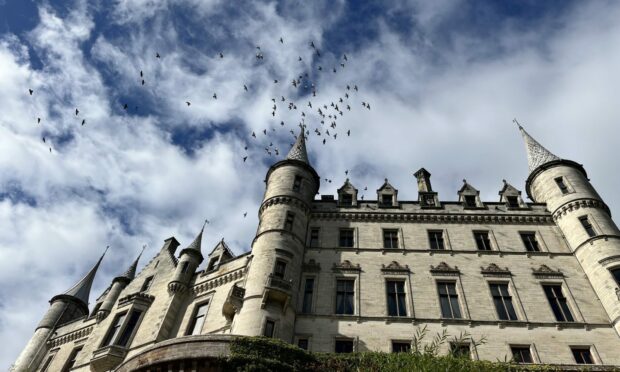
(444,79)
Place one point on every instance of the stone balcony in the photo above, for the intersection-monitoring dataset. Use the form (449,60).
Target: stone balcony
(107,358)
(279,290)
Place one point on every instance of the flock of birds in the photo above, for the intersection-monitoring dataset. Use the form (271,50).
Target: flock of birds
(324,117)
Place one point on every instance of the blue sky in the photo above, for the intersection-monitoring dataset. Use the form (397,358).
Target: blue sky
(444,80)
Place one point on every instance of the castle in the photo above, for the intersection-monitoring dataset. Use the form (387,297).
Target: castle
(539,281)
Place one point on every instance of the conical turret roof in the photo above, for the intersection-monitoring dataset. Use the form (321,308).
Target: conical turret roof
(81,290)
(131,271)
(197,243)
(298,151)
(537,154)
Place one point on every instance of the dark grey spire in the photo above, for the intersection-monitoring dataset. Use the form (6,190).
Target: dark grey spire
(537,155)
(197,243)
(81,290)
(298,151)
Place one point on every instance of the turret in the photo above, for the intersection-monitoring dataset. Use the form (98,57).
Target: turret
(189,260)
(278,248)
(583,217)
(426,196)
(118,284)
(64,308)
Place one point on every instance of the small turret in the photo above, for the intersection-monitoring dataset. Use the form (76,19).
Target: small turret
(65,307)
(189,260)
(426,196)
(118,284)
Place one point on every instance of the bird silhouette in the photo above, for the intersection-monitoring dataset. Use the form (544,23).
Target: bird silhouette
(30,91)
(345,57)
(281,41)
(38,120)
(221,55)
(245,158)
(245,87)
(214,96)
(125,106)
(142,81)
(186,102)
(245,214)
(141,74)
(77,112)
(157,55)
(83,122)
(43,139)
(349,132)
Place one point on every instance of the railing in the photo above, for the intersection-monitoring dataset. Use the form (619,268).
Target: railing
(280,283)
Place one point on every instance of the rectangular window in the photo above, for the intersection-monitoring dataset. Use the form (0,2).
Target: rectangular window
(344,346)
(198,319)
(47,363)
(436,239)
(302,343)
(212,263)
(386,200)
(114,330)
(503,301)
(582,355)
(270,327)
(297,184)
(482,240)
(279,269)
(585,222)
(346,200)
(184,267)
(512,201)
(288,223)
(390,238)
(308,292)
(314,237)
(345,295)
(449,300)
(123,339)
(346,238)
(470,201)
(147,284)
(560,182)
(530,242)
(396,302)
(72,358)
(558,302)
(401,347)
(460,350)
(521,354)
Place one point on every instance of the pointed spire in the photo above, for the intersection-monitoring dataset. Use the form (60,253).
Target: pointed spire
(537,155)
(131,271)
(197,243)
(81,290)
(298,151)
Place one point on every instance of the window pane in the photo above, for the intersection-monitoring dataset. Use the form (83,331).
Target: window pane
(314,237)
(513,202)
(521,354)
(616,274)
(582,355)
(308,290)
(269,328)
(344,346)
(456,310)
(445,307)
(402,306)
(558,303)
(302,343)
(129,328)
(401,347)
(499,306)
(114,329)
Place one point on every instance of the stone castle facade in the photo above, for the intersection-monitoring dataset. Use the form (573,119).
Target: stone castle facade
(539,281)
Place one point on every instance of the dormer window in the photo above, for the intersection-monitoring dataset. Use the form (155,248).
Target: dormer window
(429,200)
(469,201)
(512,201)
(346,200)
(213,263)
(386,200)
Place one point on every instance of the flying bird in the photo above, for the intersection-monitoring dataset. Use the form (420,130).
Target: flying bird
(38,120)
(124,107)
(221,55)
(77,112)
(30,91)
(245,214)
(214,96)
(141,75)
(345,57)
(157,55)
(245,158)
(281,41)
(245,87)
(83,122)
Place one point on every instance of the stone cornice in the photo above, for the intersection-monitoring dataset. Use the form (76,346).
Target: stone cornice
(545,272)
(346,265)
(445,269)
(434,217)
(285,199)
(139,298)
(218,281)
(72,336)
(494,270)
(577,204)
(395,268)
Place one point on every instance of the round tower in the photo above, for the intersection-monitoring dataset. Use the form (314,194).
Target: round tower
(583,217)
(64,308)
(278,248)
(189,260)
(118,284)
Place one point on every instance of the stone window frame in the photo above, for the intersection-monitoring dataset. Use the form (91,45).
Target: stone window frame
(400,341)
(281,260)
(492,242)
(315,288)
(566,292)
(129,308)
(303,336)
(48,360)
(530,346)
(542,245)
(399,238)
(596,357)
(189,324)
(516,299)
(263,327)
(464,308)
(356,293)
(75,351)
(593,224)
(568,186)
(318,245)
(145,282)
(408,295)
(473,353)
(447,246)
(355,238)
(340,337)
(297,186)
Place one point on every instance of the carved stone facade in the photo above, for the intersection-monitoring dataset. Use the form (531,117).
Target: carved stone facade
(529,276)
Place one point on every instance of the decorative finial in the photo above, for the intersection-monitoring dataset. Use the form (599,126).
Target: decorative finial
(386,180)
(516,122)
(464,180)
(504,181)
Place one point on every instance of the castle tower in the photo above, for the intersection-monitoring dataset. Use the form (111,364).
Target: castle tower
(278,248)
(189,260)
(118,284)
(583,217)
(64,308)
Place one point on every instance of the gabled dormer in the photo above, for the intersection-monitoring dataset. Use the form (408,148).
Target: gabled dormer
(220,254)
(347,195)
(510,196)
(469,197)
(426,196)
(387,196)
